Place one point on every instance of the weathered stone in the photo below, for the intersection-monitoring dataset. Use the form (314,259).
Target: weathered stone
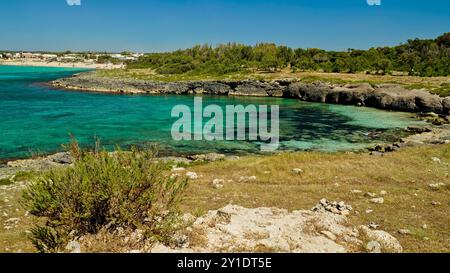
(192,175)
(370,194)
(436,186)
(379,200)
(404,231)
(62,158)
(178,169)
(373,247)
(218,183)
(436,160)
(388,242)
(73,247)
(333,207)
(237,229)
(247,178)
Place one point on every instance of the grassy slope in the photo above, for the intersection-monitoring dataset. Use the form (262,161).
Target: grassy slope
(437,85)
(405,175)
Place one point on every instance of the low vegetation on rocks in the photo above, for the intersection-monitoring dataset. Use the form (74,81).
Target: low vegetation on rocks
(104,191)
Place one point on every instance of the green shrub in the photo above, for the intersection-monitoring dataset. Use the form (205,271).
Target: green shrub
(104,190)
(5,181)
(417,57)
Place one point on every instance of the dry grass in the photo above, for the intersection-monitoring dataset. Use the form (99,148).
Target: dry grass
(405,175)
(15,239)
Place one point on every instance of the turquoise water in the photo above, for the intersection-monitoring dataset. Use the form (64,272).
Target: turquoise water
(38,119)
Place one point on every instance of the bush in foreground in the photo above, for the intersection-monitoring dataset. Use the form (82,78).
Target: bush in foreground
(104,191)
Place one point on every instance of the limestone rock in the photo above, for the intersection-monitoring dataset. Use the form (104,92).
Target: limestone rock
(388,242)
(297,171)
(218,183)
(404,231)
(247,178)
(373,247)
(73,247)
(379,200)
(436,186)
(237,229)
(192,175)
(333,207)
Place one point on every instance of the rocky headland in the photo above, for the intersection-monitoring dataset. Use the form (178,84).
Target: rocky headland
(382,96)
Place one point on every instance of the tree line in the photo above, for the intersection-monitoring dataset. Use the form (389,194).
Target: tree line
(430,57)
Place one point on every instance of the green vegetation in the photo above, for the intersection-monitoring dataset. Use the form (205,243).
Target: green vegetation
(5,181)
(103,191)
(416,57)
(18,177)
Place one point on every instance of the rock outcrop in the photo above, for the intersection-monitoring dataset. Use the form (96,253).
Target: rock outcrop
(383,96)
(237,229)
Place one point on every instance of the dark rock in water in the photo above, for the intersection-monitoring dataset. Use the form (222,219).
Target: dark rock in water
(434,118)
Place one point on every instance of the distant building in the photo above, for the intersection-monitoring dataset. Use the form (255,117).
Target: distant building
(67,58)
(49,57)
(130,57)
(28,55)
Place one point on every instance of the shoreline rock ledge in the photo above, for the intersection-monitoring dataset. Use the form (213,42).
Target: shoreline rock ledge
(382,96)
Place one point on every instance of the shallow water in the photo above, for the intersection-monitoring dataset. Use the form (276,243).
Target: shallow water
(38,119)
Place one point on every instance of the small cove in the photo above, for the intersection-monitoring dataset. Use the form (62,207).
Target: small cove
(37,119)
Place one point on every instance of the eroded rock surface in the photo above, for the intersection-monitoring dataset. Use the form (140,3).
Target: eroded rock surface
(237,229)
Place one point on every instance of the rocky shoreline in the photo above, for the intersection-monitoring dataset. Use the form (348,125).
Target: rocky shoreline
(435,135)
(382,96)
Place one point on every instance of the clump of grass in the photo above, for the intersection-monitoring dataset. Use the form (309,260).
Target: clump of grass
(104,191)
(18,177)
(5,182)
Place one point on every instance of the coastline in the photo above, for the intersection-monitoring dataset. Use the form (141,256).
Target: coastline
(382,96)
(59,64)
(418,136)
(371,165)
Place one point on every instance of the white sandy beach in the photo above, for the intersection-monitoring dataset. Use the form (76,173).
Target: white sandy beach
(58,64)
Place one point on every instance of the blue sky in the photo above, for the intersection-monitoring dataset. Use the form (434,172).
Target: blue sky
(162,25)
